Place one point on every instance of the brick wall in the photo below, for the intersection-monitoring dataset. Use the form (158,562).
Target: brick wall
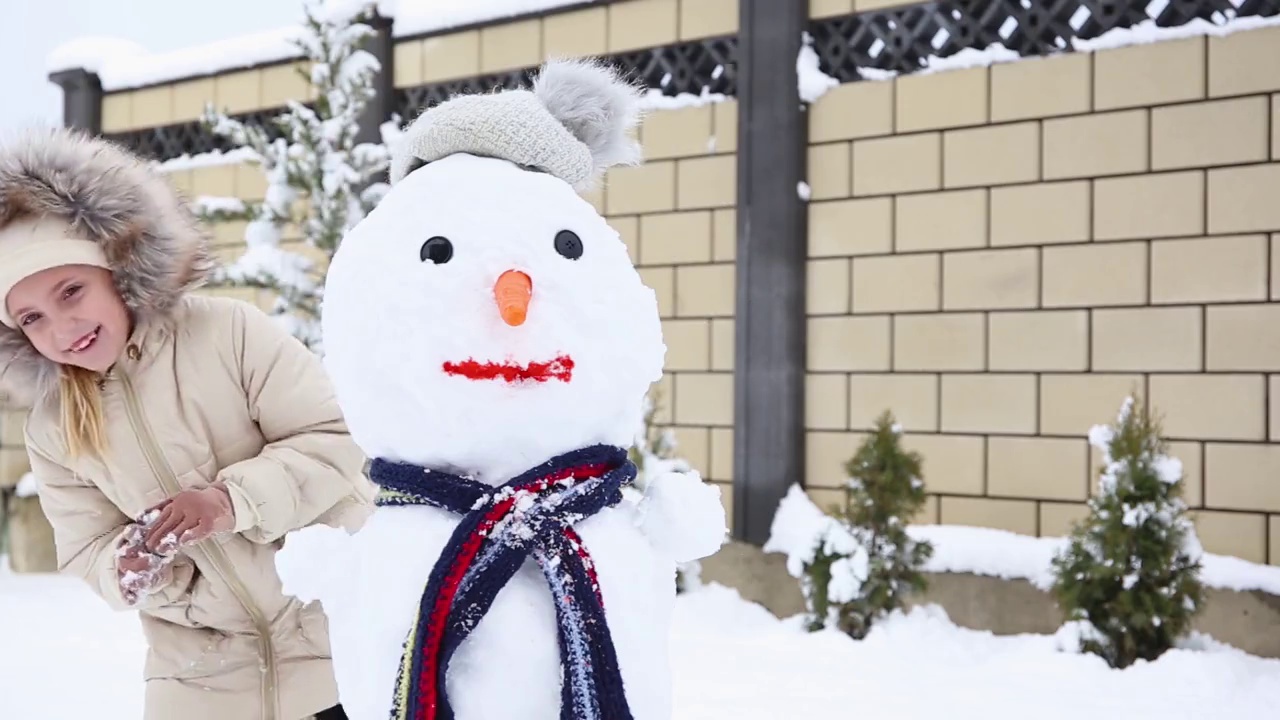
(1001,254)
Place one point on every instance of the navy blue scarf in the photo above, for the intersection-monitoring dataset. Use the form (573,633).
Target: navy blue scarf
(532,515)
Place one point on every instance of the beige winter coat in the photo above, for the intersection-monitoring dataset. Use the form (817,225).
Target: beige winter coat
(208,389)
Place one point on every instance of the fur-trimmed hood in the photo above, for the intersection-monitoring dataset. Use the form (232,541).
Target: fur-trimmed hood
(153,242)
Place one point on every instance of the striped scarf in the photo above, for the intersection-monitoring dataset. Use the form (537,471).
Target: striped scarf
(532,515)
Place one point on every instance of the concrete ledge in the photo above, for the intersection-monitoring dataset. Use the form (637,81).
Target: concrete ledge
(1246,620)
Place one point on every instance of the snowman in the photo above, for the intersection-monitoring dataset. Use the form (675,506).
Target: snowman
(491,346)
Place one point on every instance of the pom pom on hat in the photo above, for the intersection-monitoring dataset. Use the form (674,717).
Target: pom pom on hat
(574,124)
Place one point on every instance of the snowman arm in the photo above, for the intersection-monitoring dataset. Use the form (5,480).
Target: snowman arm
(682,516)
(309,469)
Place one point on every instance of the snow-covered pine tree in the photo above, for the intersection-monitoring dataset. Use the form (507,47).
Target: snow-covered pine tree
(865,563)
(319,179)
(1128,580)
(654,452)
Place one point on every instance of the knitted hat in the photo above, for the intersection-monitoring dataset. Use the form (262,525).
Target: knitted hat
(574,124)
(35,243)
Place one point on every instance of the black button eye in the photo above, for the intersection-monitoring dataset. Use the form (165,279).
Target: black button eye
(569,244)
(437,249)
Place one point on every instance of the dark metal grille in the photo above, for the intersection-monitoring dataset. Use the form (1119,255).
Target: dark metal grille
(189,138)
(673,69)
(899,39)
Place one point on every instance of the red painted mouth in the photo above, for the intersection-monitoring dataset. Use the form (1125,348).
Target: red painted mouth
(559,369)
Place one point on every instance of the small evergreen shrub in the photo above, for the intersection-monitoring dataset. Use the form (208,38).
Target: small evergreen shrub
(1129,578)
(864,563)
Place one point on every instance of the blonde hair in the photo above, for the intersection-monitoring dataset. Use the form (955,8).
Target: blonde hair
(82,421)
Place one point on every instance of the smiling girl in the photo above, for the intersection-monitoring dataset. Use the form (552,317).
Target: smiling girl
(175,438)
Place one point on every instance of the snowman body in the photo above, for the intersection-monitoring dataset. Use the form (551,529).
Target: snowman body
(431,370)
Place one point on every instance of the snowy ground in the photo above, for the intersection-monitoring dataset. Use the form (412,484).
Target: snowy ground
(733,661)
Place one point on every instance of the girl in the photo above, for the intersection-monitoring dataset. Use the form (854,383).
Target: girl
(176,438)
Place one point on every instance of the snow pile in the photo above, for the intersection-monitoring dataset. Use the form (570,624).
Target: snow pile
(92,52)
(27,486)
(812,82)
(414,17)
(990,552)
(213,158)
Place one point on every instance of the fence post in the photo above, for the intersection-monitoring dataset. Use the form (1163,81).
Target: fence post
(81,99)
(382,46)
(770,325)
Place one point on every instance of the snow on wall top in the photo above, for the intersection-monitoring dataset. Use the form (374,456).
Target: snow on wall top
(121,64)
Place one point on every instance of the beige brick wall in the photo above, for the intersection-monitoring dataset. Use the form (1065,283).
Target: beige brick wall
(1000,254)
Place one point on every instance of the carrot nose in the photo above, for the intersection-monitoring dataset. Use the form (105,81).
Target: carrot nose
(512,293)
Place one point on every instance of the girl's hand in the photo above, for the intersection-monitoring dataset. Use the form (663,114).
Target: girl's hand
(189,517)
(138,571)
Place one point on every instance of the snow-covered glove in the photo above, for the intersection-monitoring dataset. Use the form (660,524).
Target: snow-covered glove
(141,572)
(191,516)
(682,516)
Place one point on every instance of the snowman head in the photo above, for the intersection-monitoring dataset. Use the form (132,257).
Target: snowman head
(484,317)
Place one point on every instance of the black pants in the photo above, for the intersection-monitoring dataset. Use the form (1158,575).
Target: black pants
(334,713)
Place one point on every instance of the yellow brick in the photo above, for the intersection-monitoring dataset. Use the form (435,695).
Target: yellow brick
(180,180)
(1237,534)
(722,453)
(825,398)
(1149,74)
(628,229)
(1093,275)
(865,5)
(1040,214)
(829,8)
(1245,62)
(694,445)
(705,290)
(1273,532)
(900,283)
(1059,519)
(827,287)
(407,59)
(848,344)
(996,155)
(724,235)
(1146,206)
(1016,516)
(1071,404)
(1045,340)
(190,99)
(675,238)
(1243,337)
(1091,145)
(230,232)
(928,513)
(950,341)
(282,83)
(688,344)
(952,464)
(1191,454)
(663,282)
(941,221)
(446,57)
(216,180)
(707,182)
(576,34)
(722,348)
(1275,148)
(913,399)
(828,172)
(899,164)
(153,107)
(12,428)
(825,456)
(942,100)
(708,18)
(724,137)
(1243,199)
(510,45)
(1041,87)
(1273,406)
(851,227)
(238,92)
(991,279)
(989,403)
(704,399)
(1210,407)
(1218,132)
(595,196)
(663,393)
(1242,476)
(1044,468)
(117,112)
(852,110)
(1218,269)
(645,188)
(1147,339)
(636,24)
(676,133)
(14,464)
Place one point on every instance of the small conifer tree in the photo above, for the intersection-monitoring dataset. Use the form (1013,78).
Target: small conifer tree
(1129,578)
(865,563)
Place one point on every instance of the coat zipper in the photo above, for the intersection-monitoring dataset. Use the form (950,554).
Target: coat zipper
(216,555)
